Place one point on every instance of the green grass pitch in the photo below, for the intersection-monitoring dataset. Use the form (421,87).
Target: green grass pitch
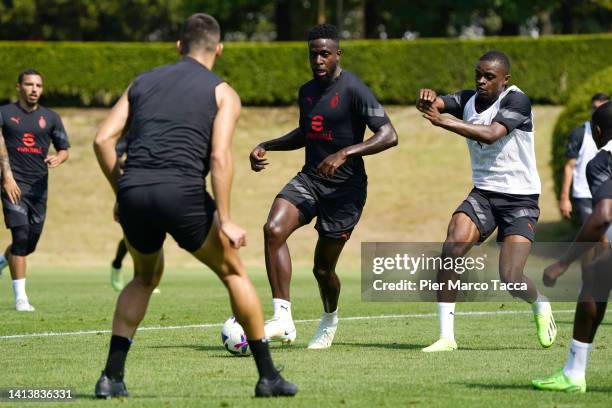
(375,361)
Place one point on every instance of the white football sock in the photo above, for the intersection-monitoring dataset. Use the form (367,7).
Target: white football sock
(282,309)
(540,305)
(577,360)
(19,289)
(446,314)
(331,319)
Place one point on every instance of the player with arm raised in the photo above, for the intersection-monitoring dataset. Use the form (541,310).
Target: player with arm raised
(497,122)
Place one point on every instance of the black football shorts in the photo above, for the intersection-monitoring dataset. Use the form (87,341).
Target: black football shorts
(512,214)
(337,207)
(148,212)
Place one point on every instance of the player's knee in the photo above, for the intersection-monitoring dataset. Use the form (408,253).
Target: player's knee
(148,281)
(321,273)
(32,243)
(19,245)
(273,230)
(509,276)
(453,249)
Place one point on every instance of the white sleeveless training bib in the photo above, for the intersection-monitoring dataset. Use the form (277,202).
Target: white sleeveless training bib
(508,165)
(588,150)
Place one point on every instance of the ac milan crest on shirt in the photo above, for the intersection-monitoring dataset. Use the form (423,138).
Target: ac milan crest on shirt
(42,122)
(335,100)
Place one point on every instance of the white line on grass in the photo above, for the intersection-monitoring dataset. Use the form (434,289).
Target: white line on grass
(209,325)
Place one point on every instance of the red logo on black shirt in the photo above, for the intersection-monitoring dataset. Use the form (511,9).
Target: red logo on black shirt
(15,119)
(317,123)
(334,101)
(29,142)
(42,122)
(28,139)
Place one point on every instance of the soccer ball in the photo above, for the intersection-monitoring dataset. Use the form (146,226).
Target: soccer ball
(233,338)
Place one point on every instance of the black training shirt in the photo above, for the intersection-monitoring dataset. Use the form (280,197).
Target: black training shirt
(28,136)
(334,117)
(172,111)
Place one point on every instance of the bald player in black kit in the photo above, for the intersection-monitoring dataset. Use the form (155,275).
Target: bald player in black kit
(181,120)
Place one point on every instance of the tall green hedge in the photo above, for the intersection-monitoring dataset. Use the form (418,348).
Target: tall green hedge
(269,74)
(575,113)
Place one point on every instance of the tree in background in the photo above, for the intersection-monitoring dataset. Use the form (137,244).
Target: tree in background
(268,20)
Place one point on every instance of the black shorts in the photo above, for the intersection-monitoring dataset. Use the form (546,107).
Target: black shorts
(148,212)
(337,207)
(603,192)
(512,214)
(582,208)
(31,208)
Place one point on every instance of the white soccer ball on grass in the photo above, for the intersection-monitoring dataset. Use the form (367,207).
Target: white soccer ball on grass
(233,338)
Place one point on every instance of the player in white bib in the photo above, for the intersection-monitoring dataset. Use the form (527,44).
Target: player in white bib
(579,151)
(497,122)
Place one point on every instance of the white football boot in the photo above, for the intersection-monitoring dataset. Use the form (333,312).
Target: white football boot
(325,335)
(279,329)
(22,305)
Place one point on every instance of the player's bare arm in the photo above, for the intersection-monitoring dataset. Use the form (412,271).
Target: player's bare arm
(486,134)
(9,185)
(54,160)
(591,232)
(291,141)
(427,98)
(106,139)
(221,167)
(383,139)
(565,204)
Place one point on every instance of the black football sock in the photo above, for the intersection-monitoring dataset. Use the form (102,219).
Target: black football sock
(121,252)
(119,347)
(263,359)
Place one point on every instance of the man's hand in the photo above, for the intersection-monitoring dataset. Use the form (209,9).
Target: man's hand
(235,234)
(11,189)
(433,115)
(53,160)
(257,158)
(426,98)
(565,205)
(331,163)
(552,273)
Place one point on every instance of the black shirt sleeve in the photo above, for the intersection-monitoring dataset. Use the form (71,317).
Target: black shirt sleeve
(574,142)
(515,112)
(367,106)
(455,102)
(1,119)
(59,138)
